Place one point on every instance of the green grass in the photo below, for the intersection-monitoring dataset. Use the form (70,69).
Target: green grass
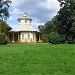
(37,59)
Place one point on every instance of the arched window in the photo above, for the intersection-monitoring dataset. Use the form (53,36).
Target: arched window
(22,36)
(28,36)
(25,21)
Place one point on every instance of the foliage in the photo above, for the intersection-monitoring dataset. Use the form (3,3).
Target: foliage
(2,35)
(48,27)
(54,38)
(63,23)
(4,28)
(4,13)
(73,41)
(66,18)
(45,38)
(3,41)
(41,28)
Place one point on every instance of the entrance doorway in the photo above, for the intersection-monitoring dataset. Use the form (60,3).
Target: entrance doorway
(16,38)
(37,37)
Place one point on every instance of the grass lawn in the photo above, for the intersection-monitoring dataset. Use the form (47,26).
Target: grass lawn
(37,59)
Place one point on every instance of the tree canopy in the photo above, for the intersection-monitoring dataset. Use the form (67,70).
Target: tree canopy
(4,27)
(4,15)
(4,12)
(66,18)
(64,22)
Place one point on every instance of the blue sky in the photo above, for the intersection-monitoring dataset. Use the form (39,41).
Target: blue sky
(39,10)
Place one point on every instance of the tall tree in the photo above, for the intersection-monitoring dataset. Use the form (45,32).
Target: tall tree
(4,12)
(66,17)
(4,27)
(49,26)
(4,15)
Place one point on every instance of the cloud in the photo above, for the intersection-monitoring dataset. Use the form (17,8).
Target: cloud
(36,24)
(16,11)
(39,10)
(50,4)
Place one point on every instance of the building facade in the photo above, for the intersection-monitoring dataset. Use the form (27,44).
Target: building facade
(24,32)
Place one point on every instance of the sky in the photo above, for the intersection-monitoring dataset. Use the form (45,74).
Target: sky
(40,11)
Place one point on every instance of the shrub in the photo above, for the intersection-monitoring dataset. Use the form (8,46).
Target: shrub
(45,38)
(70,40)
(3,41)
(54,38)
(73,41)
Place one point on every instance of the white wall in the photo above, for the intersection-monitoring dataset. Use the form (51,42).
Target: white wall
(22,22)
(26,37)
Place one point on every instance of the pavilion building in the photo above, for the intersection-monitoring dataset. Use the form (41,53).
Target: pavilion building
(24,32)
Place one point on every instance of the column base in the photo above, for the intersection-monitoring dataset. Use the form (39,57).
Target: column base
(40,41)
(13,41)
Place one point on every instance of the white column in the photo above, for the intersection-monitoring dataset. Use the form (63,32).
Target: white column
(18,38)
(13,38)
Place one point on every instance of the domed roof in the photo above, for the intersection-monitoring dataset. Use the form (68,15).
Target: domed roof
(24,28)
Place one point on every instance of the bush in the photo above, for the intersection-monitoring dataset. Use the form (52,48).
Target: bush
(54,38)
(70,40)
(3,40)
(63,40)
(73,41)
(45,38)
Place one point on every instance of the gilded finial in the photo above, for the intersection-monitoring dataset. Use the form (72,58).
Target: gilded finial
(25,14)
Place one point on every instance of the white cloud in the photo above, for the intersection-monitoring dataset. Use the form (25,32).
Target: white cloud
(50,4)
(17,3)
(16,11)
(39,10)
(36,24)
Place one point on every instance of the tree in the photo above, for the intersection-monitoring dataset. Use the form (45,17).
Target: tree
(41,28)
(49,26)
(66,17)
(45,38)
(4,13)
(63,23)
(55,38)
(4,28)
